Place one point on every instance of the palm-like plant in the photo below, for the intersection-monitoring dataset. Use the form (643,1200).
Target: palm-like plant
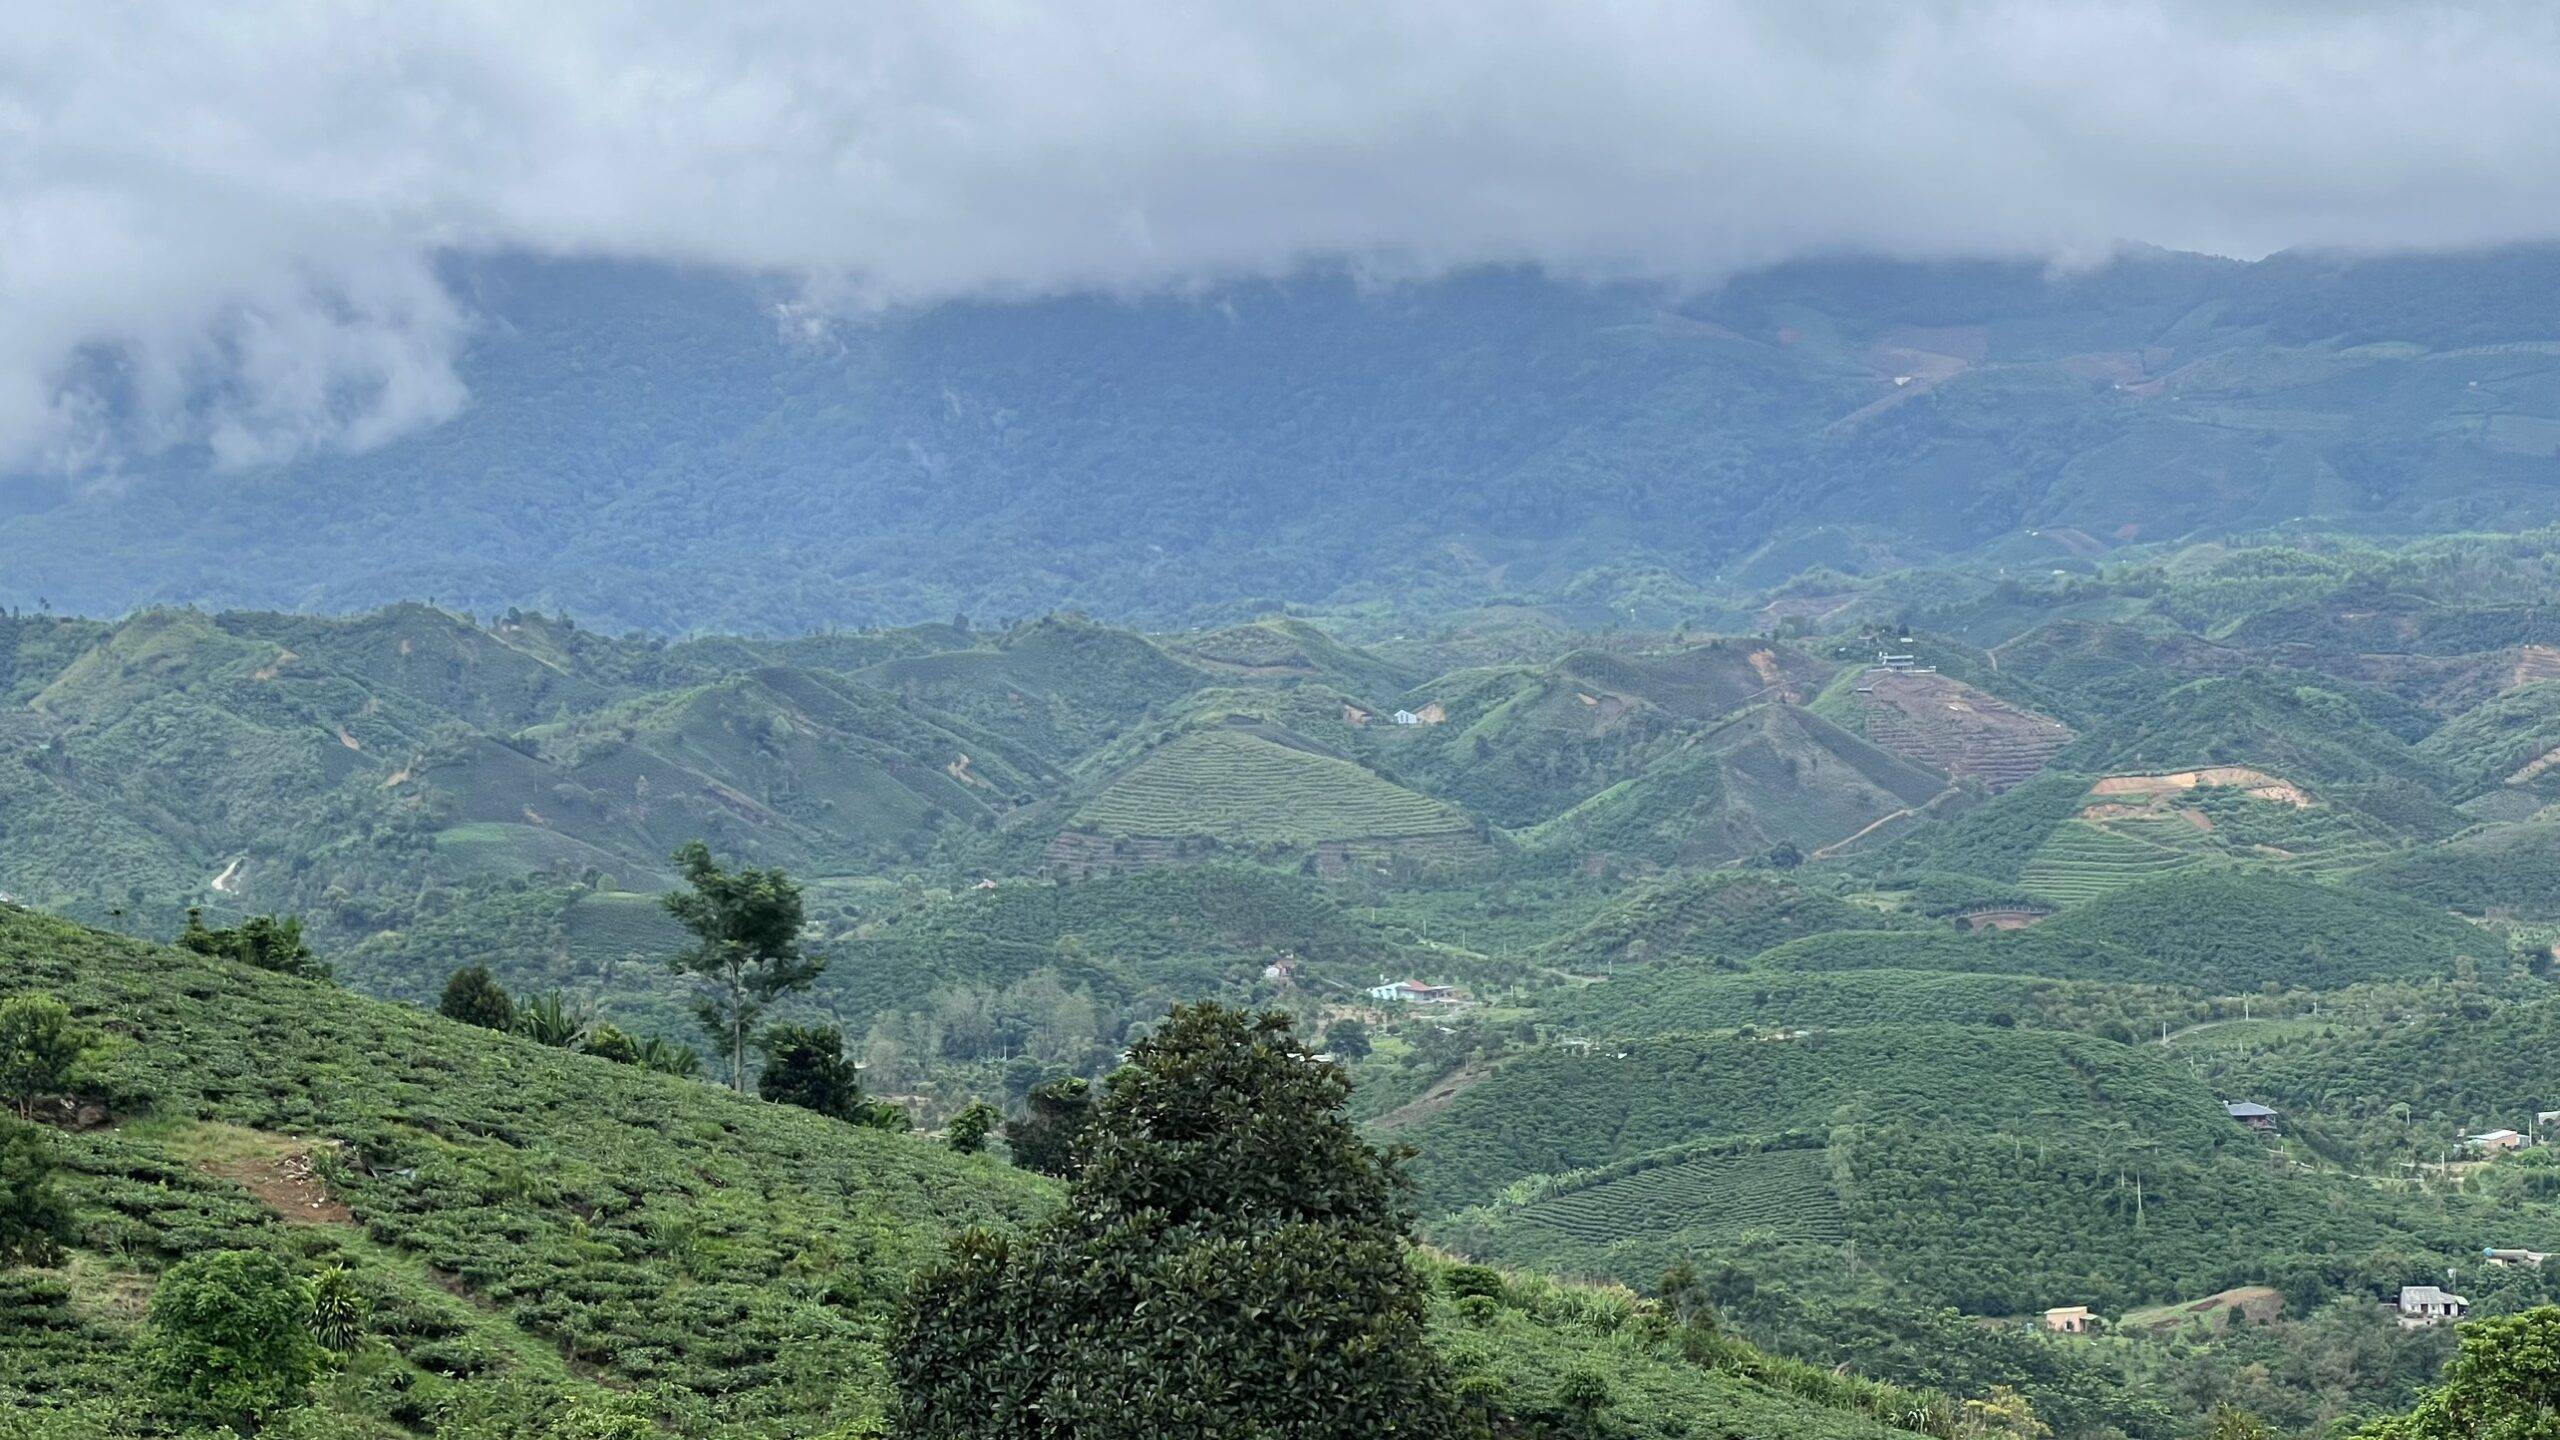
(670,1058)
(552,1020)
(338,1312)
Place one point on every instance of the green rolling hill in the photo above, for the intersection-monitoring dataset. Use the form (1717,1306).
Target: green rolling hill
(1234,788)
(1774,775)
(1620,1160)
(529,1228)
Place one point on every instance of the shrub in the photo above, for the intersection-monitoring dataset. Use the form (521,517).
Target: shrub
(40,1049)
(230,1338)
(34,1222)
(474,997)
(968,1133)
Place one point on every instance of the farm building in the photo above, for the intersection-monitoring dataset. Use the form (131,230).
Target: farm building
(2495,1140)
(1413,992)
(2251,1114)
(2069,1320)
(2426,1305)
(2515,1259)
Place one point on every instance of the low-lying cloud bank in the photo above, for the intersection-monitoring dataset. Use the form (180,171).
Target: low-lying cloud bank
(219,224)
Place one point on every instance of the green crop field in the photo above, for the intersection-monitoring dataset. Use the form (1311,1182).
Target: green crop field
(2081,861)
(1709,1199)
(612,925)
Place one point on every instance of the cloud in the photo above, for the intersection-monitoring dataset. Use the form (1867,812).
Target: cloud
(219,225)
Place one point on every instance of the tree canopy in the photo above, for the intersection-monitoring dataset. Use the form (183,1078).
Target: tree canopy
(805,1065)
(2504,1384)
(1231,1263)
(747,951)
(474,997)
(269,942)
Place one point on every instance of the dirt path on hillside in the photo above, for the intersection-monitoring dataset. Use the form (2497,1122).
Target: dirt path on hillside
(284,1184)
(1436,1099)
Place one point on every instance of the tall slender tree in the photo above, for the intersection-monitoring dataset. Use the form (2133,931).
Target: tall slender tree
(747,951)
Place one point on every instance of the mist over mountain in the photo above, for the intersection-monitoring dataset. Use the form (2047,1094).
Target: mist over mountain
(644,445)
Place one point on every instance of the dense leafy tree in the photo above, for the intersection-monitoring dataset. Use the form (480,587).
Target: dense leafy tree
(969,1128)
(1683,1293)
(747,951)
(474,997)
(34,1220)
(1048,1135)
(1231,1263)
(1348,1038)
(40,1049)
(2504,1384)
(230,1338)
(806,1065)
(269,942)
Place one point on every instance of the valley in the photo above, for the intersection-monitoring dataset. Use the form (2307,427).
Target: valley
(1894,983)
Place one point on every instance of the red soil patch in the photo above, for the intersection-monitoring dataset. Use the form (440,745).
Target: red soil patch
(286,1185)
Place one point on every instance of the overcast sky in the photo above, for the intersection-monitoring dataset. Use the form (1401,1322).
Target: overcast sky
(236,206)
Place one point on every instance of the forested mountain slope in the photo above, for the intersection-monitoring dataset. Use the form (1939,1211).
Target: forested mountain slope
(675,449)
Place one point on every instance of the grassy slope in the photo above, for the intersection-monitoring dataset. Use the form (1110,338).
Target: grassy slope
(2222,931)
(525,1217)
(641,1228)
(1243,789)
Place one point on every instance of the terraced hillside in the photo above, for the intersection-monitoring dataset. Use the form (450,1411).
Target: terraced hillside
(1618,1162)
(1708,1198)
(2512,741)
(2082,861)
(1718,916)
(2498,869)
(1520,744)
(2137,827)
(2310,735)
(1286,650)
(1561,1111)
(1685,998)
(1947,725)
(1057,687)
(1698,682)
(1231,789)
(1773,775)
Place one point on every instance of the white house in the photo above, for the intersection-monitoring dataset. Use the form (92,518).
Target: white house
(2426,1305)
(1407,717)
(1413,992)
